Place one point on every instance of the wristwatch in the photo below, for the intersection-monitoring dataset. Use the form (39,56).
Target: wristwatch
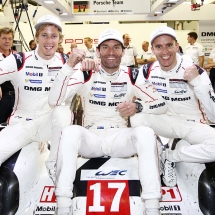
(139,106)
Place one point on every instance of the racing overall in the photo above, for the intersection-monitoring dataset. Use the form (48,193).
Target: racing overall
(32,118)
(104,130)
(185,117)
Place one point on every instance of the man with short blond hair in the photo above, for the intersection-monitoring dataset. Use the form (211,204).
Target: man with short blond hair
(90,50)
(32,74)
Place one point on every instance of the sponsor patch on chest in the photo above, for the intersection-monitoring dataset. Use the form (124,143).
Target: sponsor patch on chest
(178,83)
(118,87)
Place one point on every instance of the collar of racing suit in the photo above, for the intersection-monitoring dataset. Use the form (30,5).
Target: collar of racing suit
(45,62)
(167,74)
(109,77)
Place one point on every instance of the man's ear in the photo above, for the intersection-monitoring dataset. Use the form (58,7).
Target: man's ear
(97,52)
(177,45)
(152,49)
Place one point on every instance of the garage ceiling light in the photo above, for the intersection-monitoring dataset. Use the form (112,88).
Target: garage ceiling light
(64,14)
(49,2)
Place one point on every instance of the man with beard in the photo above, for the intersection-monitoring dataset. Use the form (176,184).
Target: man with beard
(105,130)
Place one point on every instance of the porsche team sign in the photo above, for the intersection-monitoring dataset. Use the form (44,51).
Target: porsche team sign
(111,7)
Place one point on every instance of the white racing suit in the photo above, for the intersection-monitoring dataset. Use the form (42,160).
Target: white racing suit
(104,130)
(32,118)
(185,118)
(205,93)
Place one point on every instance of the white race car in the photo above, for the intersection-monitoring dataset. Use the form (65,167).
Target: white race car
(102,186)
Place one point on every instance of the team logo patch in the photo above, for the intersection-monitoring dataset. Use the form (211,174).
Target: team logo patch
(48,195)
(34,74)
(52,72)
(178,83)
(105,174)
(18,57)
(180,92)
(159,84)
(119,87)
(134,73)
(33,81)
(119,96)
(98,96)
(161,90)
(98,89)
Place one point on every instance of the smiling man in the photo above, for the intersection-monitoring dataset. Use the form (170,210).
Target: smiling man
(32,74)
(173,76)
(105,130)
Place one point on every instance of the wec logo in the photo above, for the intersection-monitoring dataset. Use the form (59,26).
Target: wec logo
(113,172)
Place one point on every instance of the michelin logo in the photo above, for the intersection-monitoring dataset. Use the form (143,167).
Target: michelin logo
(34,81)
(161,90)
(99,96)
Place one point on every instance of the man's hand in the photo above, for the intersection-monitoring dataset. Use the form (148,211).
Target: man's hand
(208,66)
(127,108)
(191,73)
(88,64)
(76,56)
(97,64)
(0,93)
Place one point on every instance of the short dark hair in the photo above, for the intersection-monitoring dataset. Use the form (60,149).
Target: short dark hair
(193,35)
(31,42)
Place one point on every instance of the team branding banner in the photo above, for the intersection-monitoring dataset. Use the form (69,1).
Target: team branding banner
(207,36)
(111,7)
